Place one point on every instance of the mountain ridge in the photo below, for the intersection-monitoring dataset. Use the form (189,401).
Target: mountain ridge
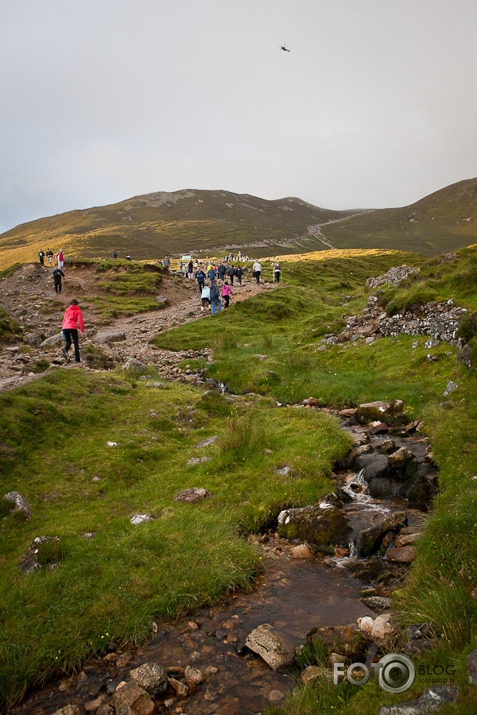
(201,221)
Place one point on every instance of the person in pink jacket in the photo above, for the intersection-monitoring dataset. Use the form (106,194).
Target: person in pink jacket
(71,319)
(227,293)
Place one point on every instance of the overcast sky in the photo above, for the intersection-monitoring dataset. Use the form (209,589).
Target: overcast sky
(375,105)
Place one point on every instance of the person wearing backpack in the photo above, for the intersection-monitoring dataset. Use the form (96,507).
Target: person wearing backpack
(231,273)
(200,278)
(238,273)
(71,319)
(276,273)
(214,297)
(57,276)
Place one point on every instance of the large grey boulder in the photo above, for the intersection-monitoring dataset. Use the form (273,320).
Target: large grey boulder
(323,526)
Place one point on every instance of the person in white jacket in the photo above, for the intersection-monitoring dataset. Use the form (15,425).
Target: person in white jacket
(256,271)
(205,297)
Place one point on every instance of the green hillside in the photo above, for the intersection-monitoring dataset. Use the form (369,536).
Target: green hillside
(443,221)
(150,226)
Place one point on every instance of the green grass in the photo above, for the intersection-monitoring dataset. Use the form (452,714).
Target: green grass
(439,587)
(113,585)
(54,619)
(438,281)
(9,328)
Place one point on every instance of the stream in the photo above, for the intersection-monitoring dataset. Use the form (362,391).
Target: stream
(293,595)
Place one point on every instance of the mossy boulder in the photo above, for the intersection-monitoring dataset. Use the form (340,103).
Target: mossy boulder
(390,412)
(43,551)
(322,526)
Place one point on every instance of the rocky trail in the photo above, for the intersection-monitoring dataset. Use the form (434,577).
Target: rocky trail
(29,297)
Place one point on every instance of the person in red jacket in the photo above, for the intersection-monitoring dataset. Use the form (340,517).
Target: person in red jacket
(71,318)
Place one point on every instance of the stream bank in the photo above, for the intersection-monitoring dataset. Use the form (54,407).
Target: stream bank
(325,567)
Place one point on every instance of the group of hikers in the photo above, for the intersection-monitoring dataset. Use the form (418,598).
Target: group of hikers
(57,273)
(210,295)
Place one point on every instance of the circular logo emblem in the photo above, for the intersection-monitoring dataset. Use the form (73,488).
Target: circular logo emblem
(396,673)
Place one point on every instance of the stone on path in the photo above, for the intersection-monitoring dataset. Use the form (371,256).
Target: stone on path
(110,337)
(267,644)
(131,698)
(151,677)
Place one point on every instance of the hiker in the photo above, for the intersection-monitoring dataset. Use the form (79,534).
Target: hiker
(205,297)
(41,256)
(190,269)
(115,255)
(238,273)
(128,257)
(227,293)
(211,273)
(57,276)
(166,262)
(71,319)
(256,271)
(214,297)
(231,273)
(276,273)
(181,263)
(200,278)
(49,255)
(221,270)
(60,258)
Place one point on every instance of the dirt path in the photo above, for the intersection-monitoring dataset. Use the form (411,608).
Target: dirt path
(28,296)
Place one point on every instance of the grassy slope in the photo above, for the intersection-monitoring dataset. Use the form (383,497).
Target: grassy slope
(443,221)
(440,585)
(113,585)
(147,227)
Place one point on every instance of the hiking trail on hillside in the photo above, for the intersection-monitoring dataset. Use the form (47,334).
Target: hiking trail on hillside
(29,297)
